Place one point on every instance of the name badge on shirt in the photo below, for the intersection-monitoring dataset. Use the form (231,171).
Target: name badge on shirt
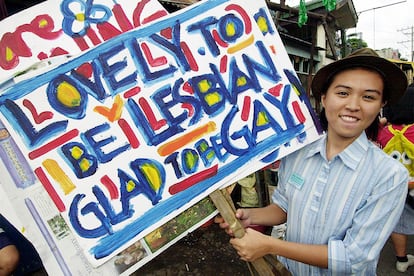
(296,180)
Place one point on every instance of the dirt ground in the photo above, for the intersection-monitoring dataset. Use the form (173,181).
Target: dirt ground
(206,251)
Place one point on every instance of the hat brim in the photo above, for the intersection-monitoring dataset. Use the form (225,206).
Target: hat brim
(396,80)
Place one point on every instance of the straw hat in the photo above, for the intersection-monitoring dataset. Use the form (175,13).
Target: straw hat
(395,79)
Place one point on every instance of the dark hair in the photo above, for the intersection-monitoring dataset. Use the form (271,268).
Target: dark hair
(371,130)
(402,112)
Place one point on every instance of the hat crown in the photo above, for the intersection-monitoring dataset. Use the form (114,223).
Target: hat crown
(364,52)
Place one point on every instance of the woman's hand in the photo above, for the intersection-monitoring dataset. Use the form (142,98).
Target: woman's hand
(241,214)
(252,245)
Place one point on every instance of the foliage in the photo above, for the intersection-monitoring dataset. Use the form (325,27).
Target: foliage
(355,44)
(303,15)
(330,5)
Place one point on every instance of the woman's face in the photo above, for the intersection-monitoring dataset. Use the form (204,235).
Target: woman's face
(352,102)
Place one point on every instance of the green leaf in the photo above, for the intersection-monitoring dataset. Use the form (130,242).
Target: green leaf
(303,15)
(330,5)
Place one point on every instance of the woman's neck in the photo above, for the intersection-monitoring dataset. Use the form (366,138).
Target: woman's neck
(336,144)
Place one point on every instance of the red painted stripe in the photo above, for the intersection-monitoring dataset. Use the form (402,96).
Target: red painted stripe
(298,112)
(243,14)
(223,64)
(191,181)
(110,186)
(80,41)
(189,107)
(126,128)
(154,62)
(85,70)
(93,37)
(132,92)
(154,16)
(218,39)
(121,18)
(246,108)
(155,125)
(187,88)
(49,189)
(37,117)
(167,32)
(275,90)
(54,144)
(190,58)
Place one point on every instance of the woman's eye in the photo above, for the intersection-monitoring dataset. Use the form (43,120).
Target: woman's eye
(369,97)
(342,93)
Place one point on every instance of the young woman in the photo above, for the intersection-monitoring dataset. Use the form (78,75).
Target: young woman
(340,196)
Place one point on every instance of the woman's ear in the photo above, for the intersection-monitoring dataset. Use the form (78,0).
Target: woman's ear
(323,97)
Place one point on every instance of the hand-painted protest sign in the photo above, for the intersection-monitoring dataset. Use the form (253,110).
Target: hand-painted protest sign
(67,27)
(133,132)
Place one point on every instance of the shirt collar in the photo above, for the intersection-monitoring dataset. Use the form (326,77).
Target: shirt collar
(350,156)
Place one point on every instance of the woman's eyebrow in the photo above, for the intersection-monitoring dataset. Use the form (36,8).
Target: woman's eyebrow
(366,90)
(342,86)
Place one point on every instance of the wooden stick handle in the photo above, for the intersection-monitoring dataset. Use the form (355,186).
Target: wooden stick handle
(224,204)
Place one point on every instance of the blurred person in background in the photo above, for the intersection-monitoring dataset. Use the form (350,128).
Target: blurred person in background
(397,139)
(9,255)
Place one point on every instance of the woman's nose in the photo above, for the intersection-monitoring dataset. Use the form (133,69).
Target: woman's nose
(353,103)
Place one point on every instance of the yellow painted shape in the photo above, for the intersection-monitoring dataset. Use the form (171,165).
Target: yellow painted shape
(56,172)
(241,81)
(190,159)
(240,46)
(42,23)
(68,95)
(262,23)
(230,30)
(84,164)
(296,90)
(210,155)
(130,186)
(76,152)
(204,86)
(80,17)
(9,54)
(212,98)
(153,176)
(262,119)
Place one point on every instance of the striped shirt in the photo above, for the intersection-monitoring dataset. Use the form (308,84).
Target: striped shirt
(351,203)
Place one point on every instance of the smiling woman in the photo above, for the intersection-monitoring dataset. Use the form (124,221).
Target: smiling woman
(335,226)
